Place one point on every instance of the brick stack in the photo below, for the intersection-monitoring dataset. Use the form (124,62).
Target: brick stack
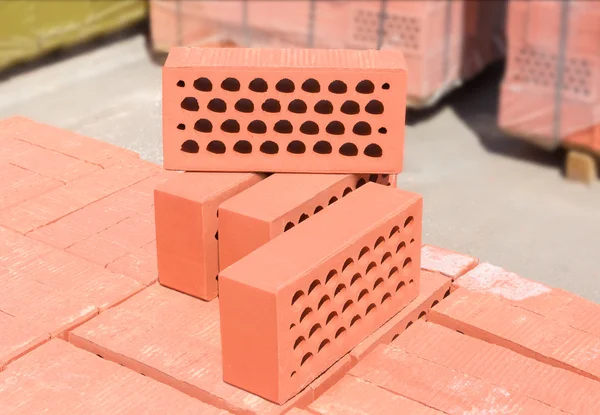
(287,209)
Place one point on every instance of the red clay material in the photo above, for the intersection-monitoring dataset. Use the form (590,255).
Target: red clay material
(446,262)
(489,318)
(353,396)
(284,110)
(246,222)
(58,378)
(175,339)
(139,265)
(18,185)
(285,318)
(331,376)
(186,228)
(558,388)
(434,287)
(441,388)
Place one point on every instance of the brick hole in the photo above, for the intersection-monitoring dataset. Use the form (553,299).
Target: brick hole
(362,294)
(412,240)
(370,308)
(393,338)
(217,278)
(347,263)
(338,87)
(382,130)
(395,230)
(309,128)
(385,86)
(411,282)
(181,126)
(296,147)
(190,146)
(340,288)
(394,272)
(447,293)
(386,257)
(307,312)
(340,332)
(322,147)
(410,323)
(190,104)
(258,85)
(363,252)
(333,200)
(323,301)
(355,320)
(203,125)
(461,332)
(305,358)
(297,296)
(386,297)
(230,84)
(216,147)
(313,286)
(243,147)
(269,147)
(373,177)
(230,126)
(400,246)
(436,302)
(373,150)
(347,305)
(365,87)
(408,223)
(407,263)
(180,84)
(400,286)
(370,267)
(355,278)
(347,190)
(324,107)
(257,127)
(283,127)
(217,235)
(292,326)
(323,344)
(330,317)
(217,105)
(335,128)
(350,108)
(377,283)
(288,226)
(299,341)
(292,374)
(379,242)
(374,107)
(349,150)
(297,106)
(422,314)
(318,209)
(285,85)
(271,105)
(360,183)
(361,128)
(244,105)
(203,84)
(314,329)
(303,217)
(311,85)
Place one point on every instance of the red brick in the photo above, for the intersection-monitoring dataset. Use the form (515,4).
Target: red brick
(58,378)
(139,265)
(434,287)
(446,262)
(558,388)
(16,249)
(331,376)
(441,388)
(353,396)
(17,338)
(186,228)
(298,411)
(271,298)
(373,147)
(11,149)
(174,339)
(246,222)
(489,318)
(18,185)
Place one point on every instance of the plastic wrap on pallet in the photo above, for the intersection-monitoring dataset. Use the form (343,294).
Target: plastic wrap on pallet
(550,94)
(444,42)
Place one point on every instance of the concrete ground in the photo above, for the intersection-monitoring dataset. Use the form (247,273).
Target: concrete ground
(485,194)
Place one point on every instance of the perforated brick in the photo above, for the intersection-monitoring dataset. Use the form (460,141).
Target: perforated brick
(284,110)
(186,228)
(286,317)
(246,222)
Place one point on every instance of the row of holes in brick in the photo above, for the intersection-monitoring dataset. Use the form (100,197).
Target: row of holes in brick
(361,128)
(372,178)
(284,85)
(273,106)
(271,147)
(422,314)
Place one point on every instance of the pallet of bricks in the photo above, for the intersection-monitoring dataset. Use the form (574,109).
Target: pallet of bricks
(444,42)
(310,259)
(551,91)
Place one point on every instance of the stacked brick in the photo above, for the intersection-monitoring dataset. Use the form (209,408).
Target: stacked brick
(287,208)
